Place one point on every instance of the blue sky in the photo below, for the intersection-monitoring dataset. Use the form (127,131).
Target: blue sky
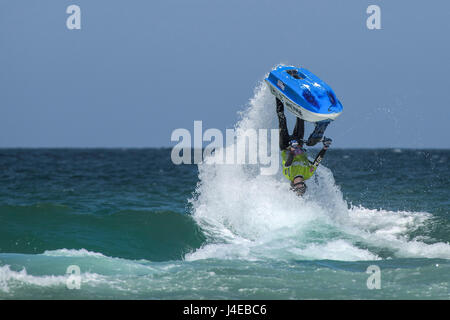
(139,69)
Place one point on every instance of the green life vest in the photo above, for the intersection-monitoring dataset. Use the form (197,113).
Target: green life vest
(300,166)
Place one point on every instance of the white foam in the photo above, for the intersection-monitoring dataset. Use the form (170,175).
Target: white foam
(335,250)
(250,216)
(72,253)
(388,229)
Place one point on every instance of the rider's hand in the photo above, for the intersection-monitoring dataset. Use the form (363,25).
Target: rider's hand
(326,142)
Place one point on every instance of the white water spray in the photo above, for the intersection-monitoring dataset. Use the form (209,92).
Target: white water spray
(250,216)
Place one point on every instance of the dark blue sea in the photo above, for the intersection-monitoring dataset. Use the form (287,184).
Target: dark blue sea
(139,227)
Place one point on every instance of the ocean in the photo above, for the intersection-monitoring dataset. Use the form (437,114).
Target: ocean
(137,226)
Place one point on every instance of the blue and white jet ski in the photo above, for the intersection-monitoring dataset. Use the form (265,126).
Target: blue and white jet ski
(304,94)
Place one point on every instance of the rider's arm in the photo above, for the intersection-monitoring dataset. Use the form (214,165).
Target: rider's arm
(321,154)
(289,158)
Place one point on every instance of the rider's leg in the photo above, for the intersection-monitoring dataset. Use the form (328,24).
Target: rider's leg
(284,134)
(299,131)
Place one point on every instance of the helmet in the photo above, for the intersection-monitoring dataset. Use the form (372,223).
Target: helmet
(299,187)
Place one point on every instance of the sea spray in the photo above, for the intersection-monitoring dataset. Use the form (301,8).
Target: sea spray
(250,216)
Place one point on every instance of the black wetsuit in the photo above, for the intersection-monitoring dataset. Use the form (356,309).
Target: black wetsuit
(299,131)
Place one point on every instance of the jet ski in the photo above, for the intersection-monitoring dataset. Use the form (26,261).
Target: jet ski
(304,94)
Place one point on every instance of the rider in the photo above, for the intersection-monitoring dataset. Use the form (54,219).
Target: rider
(296,166)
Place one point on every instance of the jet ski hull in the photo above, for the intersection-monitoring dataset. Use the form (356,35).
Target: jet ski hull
(304,94)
